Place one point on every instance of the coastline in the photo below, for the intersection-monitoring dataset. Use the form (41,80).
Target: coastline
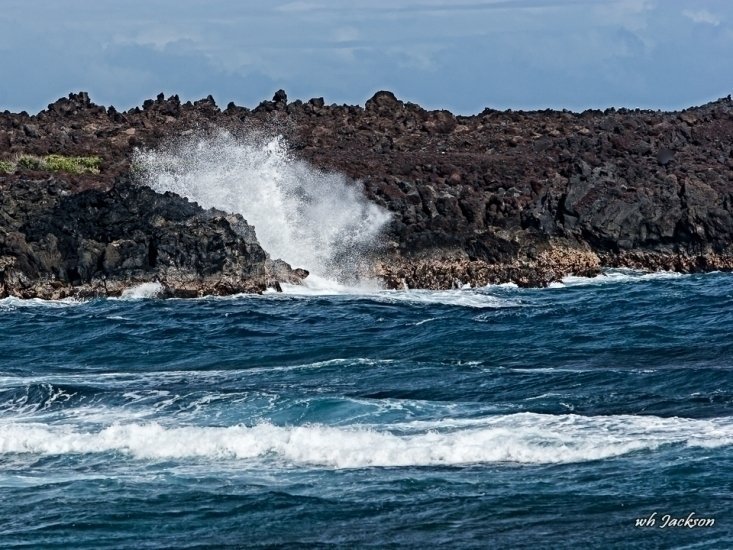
(522,197)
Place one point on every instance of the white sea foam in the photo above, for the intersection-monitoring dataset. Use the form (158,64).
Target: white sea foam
(462,298)
(142,291)
(318,286)
(13,303)
(504,285)
(212,377)
(307,217)
(428,320)
(615,276)
(314,285)
(525,438)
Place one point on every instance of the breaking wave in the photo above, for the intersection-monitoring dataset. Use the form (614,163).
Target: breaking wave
(525,438)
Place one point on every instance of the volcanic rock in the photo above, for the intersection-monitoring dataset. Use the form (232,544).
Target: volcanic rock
(58,242)
(521,196)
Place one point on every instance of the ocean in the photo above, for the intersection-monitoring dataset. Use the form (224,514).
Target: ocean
(597,413)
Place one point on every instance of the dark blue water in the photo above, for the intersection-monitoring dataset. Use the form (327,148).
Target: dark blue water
(501,418)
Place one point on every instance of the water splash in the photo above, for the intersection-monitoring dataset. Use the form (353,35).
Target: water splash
(311,219)
(143,291)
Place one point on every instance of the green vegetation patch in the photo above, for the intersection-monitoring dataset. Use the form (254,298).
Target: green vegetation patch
(28,162)
(73,165)
(6,167)
(54,163)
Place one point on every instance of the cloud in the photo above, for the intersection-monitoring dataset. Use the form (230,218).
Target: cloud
(702,16)
(346,34)
(461,54)
(300,6)
(388,7)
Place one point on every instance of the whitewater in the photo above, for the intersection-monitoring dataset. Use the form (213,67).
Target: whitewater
(341,414)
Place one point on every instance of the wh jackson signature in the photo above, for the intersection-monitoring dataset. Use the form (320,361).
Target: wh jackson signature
(669,521)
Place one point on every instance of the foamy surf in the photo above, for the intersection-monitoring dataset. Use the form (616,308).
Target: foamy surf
(467,297)
(315,285)
(525,438)
(11,303)
(461,298)
(615,276)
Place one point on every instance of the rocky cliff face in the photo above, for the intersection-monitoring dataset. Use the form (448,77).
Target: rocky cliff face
(522,196)
(57,242)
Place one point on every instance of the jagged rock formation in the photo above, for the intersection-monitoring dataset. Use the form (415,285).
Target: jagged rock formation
(522,196)
(57,243)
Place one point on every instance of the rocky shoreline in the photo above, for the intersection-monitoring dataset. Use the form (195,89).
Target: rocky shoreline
(527,197)
(57,242)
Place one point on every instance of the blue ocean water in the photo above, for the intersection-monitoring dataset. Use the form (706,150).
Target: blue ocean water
(498,417)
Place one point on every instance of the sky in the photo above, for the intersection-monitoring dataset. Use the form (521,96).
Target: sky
(462,55)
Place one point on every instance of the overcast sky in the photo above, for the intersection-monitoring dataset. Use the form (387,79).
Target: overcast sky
(462,55)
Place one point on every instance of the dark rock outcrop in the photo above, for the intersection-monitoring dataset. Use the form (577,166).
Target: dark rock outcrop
(522,196)
(57,243)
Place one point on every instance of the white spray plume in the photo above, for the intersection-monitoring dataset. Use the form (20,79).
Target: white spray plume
(310,218)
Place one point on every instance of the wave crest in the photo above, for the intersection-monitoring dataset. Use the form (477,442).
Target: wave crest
(525,438)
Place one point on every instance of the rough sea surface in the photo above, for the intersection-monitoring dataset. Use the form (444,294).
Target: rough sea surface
(488,418)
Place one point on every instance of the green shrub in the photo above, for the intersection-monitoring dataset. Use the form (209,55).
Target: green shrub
(90,163)
(6,167)
(73,165)
(60,163)
(29,162)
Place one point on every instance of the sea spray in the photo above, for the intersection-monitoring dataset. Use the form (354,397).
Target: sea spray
(143,291)
(310,218)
